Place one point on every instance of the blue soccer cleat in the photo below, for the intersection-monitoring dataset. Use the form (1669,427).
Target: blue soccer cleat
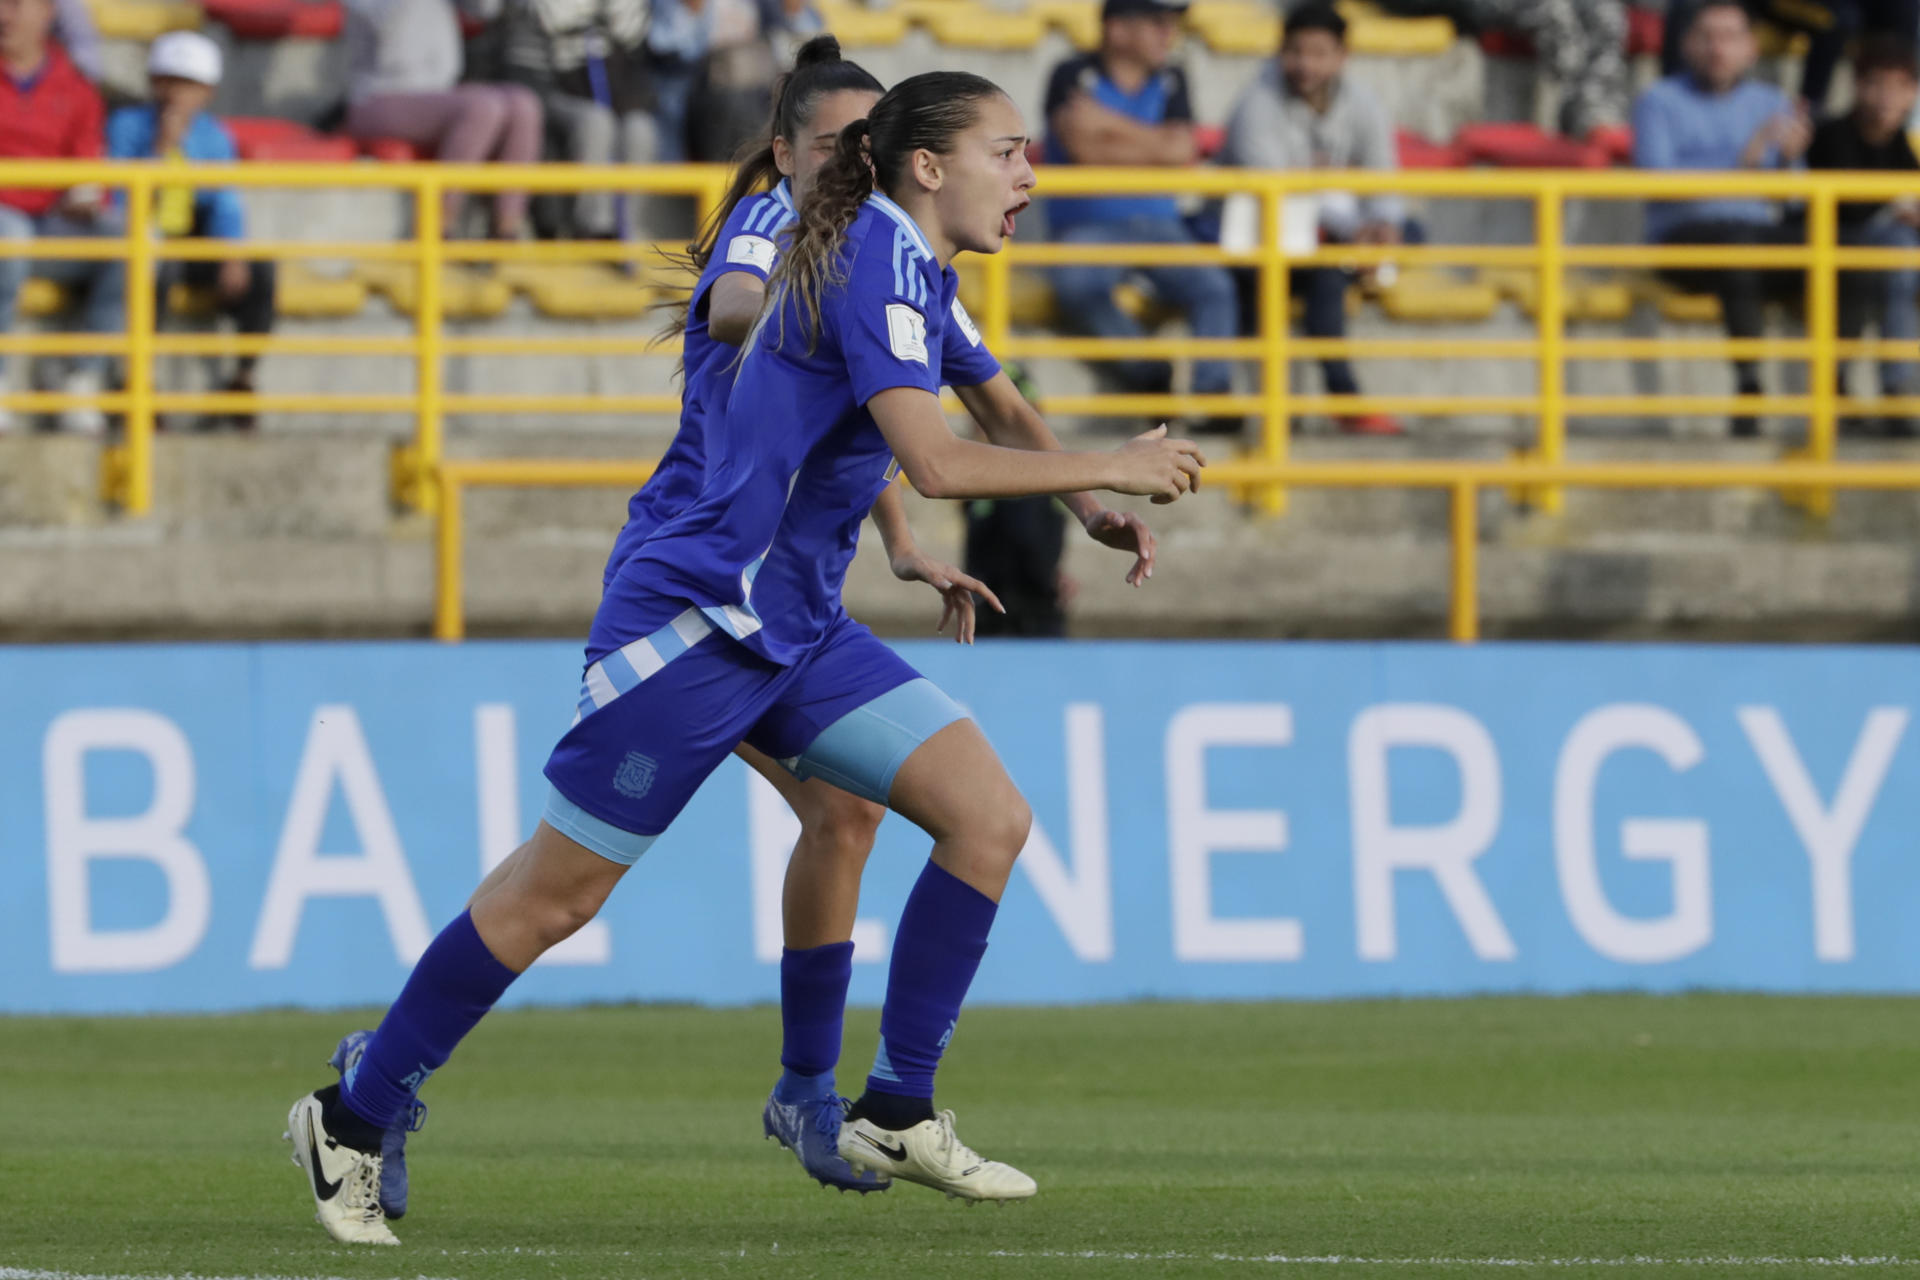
(810,1128)
(393,1145)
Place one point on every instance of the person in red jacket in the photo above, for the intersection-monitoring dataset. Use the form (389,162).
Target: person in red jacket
(49,111)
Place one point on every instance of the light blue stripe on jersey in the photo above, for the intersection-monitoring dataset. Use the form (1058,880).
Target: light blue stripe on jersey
(904,221)
(626,667)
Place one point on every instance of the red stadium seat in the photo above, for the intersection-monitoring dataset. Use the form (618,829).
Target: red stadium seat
(1646,32)
(1417,152)
(277,19)
(1501,42)
(268,138)
(391,150)
(1526,146)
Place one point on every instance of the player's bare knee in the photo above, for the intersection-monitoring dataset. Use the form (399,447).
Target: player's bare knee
(844,827)
(1007,825)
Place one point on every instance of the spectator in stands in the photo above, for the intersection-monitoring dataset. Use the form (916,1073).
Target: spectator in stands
(1829,25)
(1304,112)
(1126,104)
(1712,116)
(49,111)
(1015,546)
(73,27)
(735,86)
(403,69)
(1873,136)
(183,69)
(1581,44)
(583,58)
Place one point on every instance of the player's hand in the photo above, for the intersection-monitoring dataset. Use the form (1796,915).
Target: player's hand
(1153,466)
(1125,532)
(956,589)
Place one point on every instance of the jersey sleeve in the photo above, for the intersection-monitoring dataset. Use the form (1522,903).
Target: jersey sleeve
(748,243)
(888,322)
(964,358)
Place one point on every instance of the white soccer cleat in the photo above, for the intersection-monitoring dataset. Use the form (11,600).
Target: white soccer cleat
(345,1182)
(932,1155)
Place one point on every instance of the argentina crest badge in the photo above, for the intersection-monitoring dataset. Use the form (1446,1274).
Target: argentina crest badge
(634,777)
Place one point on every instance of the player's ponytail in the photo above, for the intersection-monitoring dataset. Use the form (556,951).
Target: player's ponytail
(924,113)
(818,70)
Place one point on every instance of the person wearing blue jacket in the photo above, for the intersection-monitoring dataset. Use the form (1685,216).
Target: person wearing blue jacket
(183,68)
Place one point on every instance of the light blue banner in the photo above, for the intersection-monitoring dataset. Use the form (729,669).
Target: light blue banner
(234,826)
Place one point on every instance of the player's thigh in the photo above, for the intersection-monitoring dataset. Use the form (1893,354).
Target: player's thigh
(658,716)
(823,809)
(954,787)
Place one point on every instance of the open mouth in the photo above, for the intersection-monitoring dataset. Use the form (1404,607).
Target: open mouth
(1006,219)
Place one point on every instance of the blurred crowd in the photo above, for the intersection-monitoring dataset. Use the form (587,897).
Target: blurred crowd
(655,81)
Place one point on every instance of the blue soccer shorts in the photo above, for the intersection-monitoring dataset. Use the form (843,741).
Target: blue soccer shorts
(658,715)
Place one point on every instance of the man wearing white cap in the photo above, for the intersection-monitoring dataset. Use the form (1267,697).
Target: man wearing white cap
(183,69)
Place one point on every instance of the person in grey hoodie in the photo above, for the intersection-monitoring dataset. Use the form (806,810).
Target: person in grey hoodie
(403,71)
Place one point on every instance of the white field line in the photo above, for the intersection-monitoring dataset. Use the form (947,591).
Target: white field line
(33,1273)
(1358,1260)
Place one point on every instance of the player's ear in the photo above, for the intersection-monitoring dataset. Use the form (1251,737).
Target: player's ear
(783,156)
(928,171)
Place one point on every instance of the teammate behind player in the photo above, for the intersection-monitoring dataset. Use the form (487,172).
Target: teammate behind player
(726,624)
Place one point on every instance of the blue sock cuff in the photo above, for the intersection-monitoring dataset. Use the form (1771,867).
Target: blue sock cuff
(799,1088)
(813,1003)
(968,910)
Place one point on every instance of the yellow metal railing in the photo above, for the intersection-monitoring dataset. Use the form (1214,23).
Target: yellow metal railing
(424,477)
(1464,481)
(128,479)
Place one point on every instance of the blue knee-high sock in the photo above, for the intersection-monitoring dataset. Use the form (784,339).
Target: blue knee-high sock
(943,934)
(451,989)
(813,1009)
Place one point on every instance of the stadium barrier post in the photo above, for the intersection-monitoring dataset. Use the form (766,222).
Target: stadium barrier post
(449,618)
(997,277)
(1550,445)
(415,461)
(1823,322)
(1274,325)
(128,470)
(1463,622)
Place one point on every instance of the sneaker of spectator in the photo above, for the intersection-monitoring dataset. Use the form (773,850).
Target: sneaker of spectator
(1304,112)
(1873,136)
(49,111)
(1127,104)
(404,59)
(1716,116)
(183,70)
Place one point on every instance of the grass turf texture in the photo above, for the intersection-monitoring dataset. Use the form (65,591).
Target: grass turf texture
(626,1143)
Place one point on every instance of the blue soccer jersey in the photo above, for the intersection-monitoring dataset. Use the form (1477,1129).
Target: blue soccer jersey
(796,462)
(749,242)
(746,243)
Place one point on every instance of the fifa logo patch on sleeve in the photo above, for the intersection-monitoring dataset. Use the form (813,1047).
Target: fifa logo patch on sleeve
(634,778)
(965,321)
(907,332)
(752,251)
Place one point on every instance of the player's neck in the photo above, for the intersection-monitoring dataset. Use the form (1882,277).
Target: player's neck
(919,207)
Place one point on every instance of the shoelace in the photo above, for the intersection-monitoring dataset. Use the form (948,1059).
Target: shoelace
(832,1112)
(362,1192)
(954,1151)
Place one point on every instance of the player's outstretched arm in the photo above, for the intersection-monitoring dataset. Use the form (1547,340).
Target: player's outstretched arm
(1010,420)
(910,564)
(941,465)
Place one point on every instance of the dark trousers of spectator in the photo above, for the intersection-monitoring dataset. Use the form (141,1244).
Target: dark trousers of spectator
(1204,295)
(1324,291)
(1743,291)
(252,312)
(1014,545)
(1891,299)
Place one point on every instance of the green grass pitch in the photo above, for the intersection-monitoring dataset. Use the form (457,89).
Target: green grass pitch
(1696,1135)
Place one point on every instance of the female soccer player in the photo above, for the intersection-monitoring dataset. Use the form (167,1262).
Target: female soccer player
(732,258)
(726,625)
